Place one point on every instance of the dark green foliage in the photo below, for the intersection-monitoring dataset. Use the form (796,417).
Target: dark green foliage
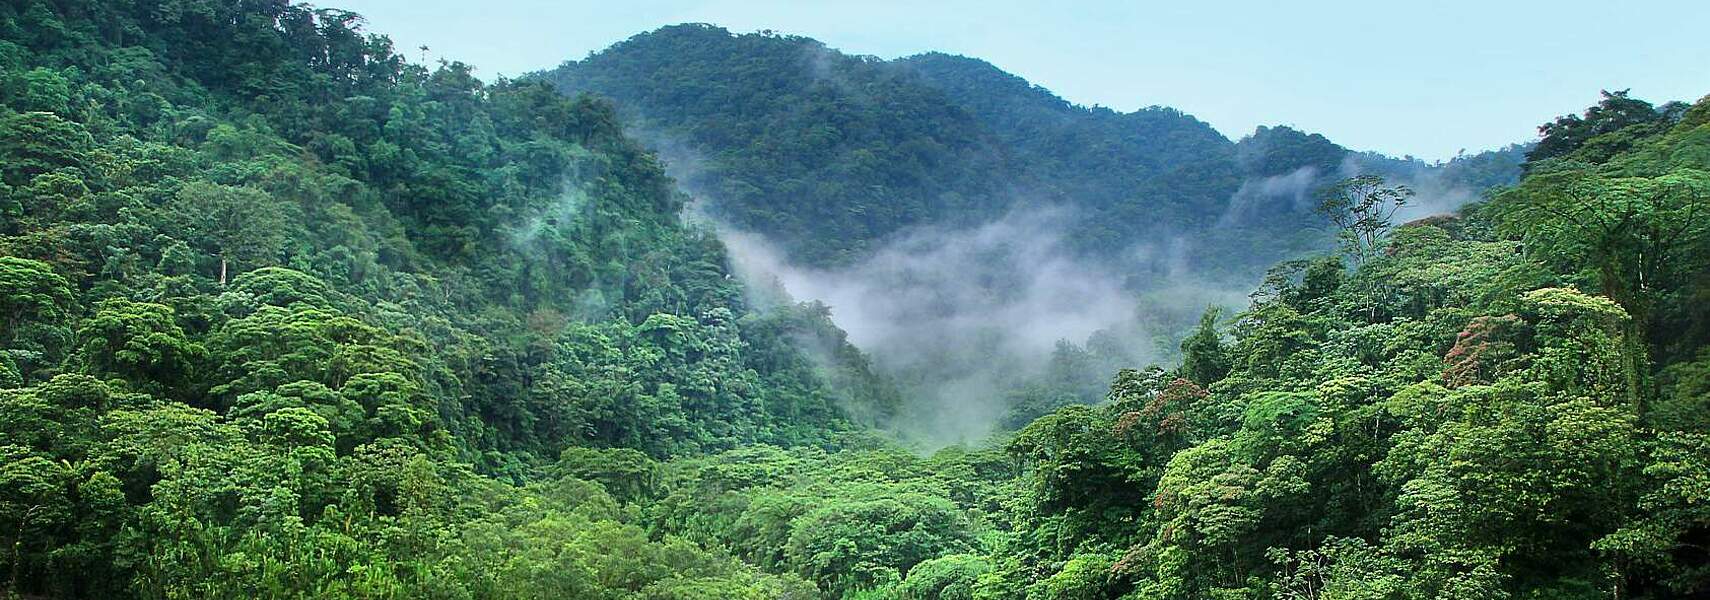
(1273,151)
(37,303)
(831,155)
(1205,359)
(1617,120)
(286,317)
(1448,419)
(814,168)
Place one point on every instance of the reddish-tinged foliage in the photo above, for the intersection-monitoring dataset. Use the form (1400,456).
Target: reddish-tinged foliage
(1169,407)
(1480,350)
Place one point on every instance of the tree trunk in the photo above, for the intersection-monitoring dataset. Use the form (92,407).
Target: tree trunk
(222,270)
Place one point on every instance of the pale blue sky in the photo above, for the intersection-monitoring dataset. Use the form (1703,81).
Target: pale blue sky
(1421,77)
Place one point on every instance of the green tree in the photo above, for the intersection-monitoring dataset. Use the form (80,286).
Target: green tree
(1363,210)
(1205,359)
(235,223)
(628,475)
(1634,238)
(1674,511)
(39,142)
(34,305)
(143,343)
(1616,111)
(35,499)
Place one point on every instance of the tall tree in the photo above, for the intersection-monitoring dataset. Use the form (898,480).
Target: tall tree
(239,224)
(1567,133)
(1634,237)
(1205,359)
(1363,209)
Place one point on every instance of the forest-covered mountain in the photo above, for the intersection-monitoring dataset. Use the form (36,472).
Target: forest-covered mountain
(284,316)
(926,199)
(831,154)
(278,305)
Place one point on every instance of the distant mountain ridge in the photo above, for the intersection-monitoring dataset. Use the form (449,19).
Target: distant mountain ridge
(830,154)
(995,248)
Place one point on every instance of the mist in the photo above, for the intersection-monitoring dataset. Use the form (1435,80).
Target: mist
(965,320)
(960,318)
(1297,192)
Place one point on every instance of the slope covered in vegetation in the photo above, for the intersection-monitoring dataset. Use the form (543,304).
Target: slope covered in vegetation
(1490,407)
(964,203)
(285,317)
(831,155)
(1508,402)
(283,314)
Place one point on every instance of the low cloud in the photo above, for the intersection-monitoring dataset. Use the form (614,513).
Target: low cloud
(1297,192)
(959,317)
(1290,193)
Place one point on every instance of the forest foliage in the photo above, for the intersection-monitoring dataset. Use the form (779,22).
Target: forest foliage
(833,155)
(856,169)
(284,316)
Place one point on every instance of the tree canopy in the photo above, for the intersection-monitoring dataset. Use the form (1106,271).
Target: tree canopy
(285,316)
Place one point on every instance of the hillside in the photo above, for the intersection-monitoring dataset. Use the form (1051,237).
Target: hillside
(831,155)
(283,316)
(266,285)
(996,249)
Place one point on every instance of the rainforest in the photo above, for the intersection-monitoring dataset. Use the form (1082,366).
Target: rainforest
(705,314)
